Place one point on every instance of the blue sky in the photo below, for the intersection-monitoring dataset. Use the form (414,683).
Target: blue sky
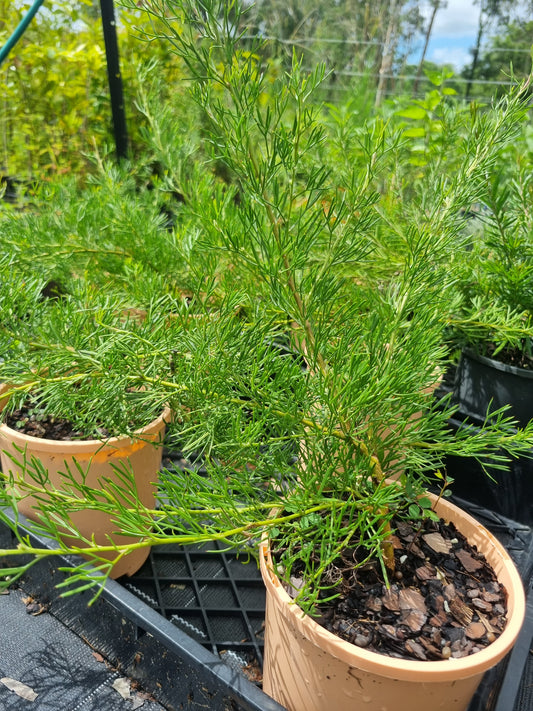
(454,33)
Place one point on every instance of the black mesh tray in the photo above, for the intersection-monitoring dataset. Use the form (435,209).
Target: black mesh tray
(215,596)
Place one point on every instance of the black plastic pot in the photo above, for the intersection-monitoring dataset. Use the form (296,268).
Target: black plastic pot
(483,385)
(509,493)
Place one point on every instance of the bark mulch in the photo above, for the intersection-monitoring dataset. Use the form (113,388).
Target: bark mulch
(445,600)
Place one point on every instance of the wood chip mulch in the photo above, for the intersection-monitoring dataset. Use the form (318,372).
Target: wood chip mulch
(444,601)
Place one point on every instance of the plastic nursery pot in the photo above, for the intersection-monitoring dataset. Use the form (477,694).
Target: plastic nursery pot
(509,493)
(482,383)
(307,668)
(99,460)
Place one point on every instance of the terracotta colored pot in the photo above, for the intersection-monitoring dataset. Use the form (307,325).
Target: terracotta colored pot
(141,454)
(307,668)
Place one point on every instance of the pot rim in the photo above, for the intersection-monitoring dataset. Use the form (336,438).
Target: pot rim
(498,365)
(86,445)
(405,669)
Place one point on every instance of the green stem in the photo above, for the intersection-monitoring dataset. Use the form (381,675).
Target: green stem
(152,539)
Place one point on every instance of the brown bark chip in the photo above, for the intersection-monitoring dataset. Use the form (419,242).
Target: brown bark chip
(445,600)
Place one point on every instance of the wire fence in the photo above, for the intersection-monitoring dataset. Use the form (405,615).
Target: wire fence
(401,81)
(353,41)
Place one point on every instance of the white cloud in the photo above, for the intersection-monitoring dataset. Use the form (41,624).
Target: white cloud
(458,19)
(456,56)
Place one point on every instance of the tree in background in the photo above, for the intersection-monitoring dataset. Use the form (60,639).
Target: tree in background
(435,6)
(403,22)
(354,38)
(494,16)
(489,10)
(506,54)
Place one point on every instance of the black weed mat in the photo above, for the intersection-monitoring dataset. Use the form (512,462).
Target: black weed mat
(188,626)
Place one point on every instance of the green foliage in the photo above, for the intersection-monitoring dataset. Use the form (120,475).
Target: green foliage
(298,364)
(428,124)
(114,233)
(51,84)
(55,100)
(495,274)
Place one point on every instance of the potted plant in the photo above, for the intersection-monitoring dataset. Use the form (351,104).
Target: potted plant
(491,331)
(492,325)
(68,411)
(327,456)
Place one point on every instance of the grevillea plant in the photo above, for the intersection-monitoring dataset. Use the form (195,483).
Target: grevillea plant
(300,374)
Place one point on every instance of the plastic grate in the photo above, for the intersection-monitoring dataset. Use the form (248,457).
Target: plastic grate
(211,594)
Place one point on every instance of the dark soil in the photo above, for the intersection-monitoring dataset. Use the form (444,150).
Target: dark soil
(511,356)
(36,424)
(444,600)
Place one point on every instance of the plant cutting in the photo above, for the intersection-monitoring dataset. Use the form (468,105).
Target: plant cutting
(330,463)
